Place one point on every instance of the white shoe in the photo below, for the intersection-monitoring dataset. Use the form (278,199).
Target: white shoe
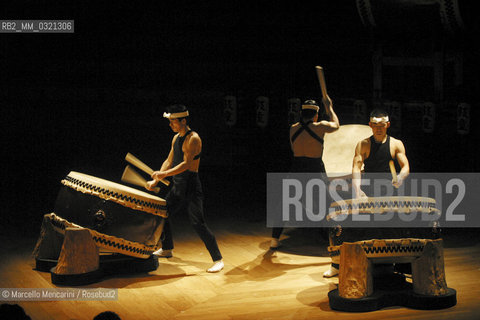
(163,253)
(275,243)
(217,266)
(332,272)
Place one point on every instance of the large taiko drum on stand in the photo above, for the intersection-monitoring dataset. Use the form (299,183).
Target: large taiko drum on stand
(380,205)
(416,251)
(121,219)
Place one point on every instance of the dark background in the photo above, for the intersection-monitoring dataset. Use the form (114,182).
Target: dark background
(81,101)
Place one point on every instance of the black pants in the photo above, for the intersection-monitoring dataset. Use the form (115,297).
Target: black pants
(302,164)
(186,195)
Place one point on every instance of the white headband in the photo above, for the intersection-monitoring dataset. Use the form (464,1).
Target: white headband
(379,119)
(311,107)
(175,115)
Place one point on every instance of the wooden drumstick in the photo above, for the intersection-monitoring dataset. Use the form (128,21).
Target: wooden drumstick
(142,166)
(131,176)
(321,79)
(393,171)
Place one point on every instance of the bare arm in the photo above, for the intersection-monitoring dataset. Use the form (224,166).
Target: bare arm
(333,124)
(166,165)
(191,147)
(293,128)
(358,160)
(401,156)
(168,162)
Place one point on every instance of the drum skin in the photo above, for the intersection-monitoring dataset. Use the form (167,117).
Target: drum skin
(339,149)
(378,205)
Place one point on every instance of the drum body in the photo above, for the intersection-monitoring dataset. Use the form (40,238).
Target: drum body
(113,212)
(381,205)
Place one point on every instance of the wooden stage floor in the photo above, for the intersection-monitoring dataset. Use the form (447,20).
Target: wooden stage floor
(255,284)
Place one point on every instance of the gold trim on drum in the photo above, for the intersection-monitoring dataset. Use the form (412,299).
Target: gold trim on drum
(382,248)
(382,205)
(111,191)
(110,243)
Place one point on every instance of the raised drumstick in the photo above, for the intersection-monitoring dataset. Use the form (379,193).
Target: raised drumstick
(131,176)
(321,79)
(142,166)
(393,171)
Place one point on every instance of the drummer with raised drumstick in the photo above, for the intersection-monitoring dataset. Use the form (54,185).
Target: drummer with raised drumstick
(306,140)
(186,194)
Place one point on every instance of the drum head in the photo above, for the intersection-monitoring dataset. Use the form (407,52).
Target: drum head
(339,149)
(112,189)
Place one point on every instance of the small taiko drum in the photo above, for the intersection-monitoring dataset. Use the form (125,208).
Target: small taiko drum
(121,219)
(385,243)
(380,205)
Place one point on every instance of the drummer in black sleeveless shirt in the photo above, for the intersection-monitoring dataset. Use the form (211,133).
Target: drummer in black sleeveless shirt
(306,141)
(186,194)
(376,152)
